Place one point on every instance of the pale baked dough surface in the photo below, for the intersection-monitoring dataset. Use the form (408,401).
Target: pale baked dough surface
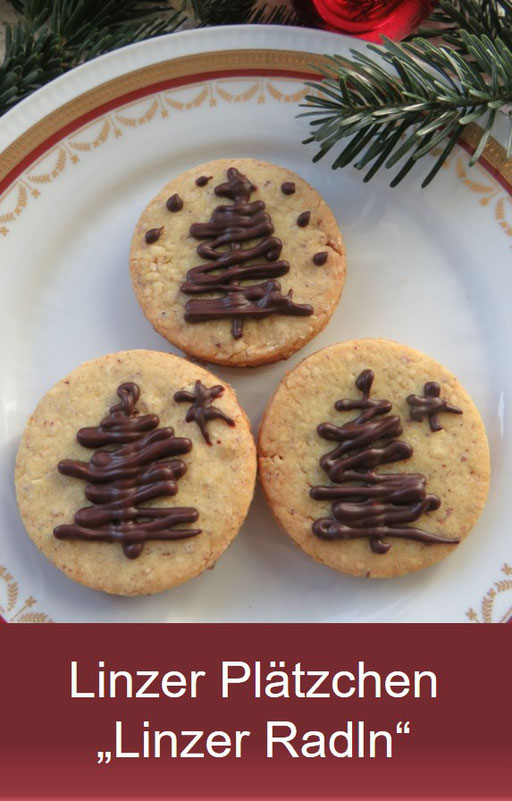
(454,460)
(159,269)
(219,480)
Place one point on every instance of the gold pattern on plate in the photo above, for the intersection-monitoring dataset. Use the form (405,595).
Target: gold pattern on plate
(243,96)
(282,97)
(491,192)
(93,134)
(488,611)
(139,119)
(20,203)
(58,167)
(98,139)
(202,95)
(174,69)
(11,601)
(503,214)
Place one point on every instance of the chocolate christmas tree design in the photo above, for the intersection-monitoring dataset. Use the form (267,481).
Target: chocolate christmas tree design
(367,503)
(228,262)
(122,479)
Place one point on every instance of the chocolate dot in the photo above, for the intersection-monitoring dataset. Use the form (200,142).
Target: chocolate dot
(132,549)
(303,219)
(288,188)
(320,258)
(152,235)
(203,180)
(174,203)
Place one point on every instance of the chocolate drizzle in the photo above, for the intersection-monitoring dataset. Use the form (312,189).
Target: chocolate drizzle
(123,479)
(430,404)
(371,504)
(226,262)
(174,203)
(202,410)
(153,235)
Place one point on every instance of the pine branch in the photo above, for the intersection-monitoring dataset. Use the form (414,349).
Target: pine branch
(434,93)
(229,12)
(280,15)
(56,36)
(492,18)
(32,57)
(220,12)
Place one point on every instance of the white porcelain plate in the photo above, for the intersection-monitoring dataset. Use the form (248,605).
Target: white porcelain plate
(430,268)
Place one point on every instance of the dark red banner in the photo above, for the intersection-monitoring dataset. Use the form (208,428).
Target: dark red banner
(255,711)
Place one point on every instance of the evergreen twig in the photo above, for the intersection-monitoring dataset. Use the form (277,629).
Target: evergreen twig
(434,92)
(55,36)
(31,59)
(492,18)
(229,12)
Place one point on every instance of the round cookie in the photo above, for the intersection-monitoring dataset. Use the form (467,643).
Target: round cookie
(357,522)
(284,289)
(125,405)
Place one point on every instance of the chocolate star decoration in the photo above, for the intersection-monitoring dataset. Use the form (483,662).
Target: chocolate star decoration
(202,410)
(226,262)
(430,404)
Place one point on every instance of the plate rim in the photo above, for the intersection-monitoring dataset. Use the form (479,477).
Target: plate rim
(303,42)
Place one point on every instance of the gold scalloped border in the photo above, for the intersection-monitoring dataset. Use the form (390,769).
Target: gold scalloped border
(211,91)
(18,611)
(184,67)
(488,604)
